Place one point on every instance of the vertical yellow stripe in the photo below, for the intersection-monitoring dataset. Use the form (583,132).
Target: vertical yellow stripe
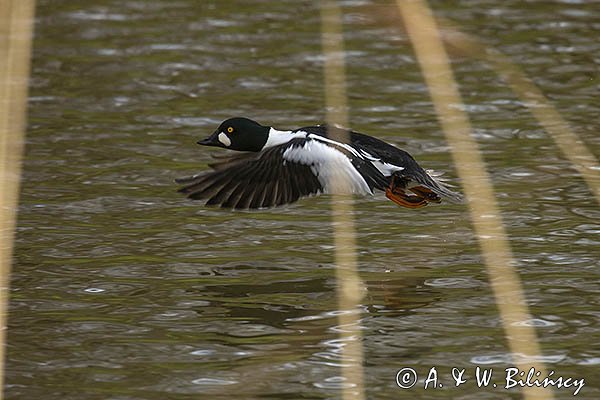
(350,289)
(16,25)
(559,130)
(479,193)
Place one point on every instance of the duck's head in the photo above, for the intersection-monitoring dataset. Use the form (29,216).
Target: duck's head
(240,134)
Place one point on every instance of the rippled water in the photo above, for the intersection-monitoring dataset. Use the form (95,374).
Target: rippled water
(124,290)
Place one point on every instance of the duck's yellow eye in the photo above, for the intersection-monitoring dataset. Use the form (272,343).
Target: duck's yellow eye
(230,129)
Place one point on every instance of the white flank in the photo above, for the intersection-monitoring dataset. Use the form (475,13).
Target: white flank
(223,138)
(345,146)
(383,167)
(279,137)
(333,169)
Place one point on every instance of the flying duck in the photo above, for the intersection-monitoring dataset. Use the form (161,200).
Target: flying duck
(280,167)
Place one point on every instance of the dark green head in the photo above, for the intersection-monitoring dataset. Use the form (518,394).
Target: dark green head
(240,134)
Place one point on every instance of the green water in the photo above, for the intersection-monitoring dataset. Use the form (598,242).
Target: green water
(122,289)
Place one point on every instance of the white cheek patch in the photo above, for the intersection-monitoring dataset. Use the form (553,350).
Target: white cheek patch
(223,138)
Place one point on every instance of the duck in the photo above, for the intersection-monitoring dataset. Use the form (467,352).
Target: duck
(277,167)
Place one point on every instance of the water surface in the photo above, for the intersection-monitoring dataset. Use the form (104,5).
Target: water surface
(122,289)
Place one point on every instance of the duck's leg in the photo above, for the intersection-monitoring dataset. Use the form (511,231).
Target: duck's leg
(396,193)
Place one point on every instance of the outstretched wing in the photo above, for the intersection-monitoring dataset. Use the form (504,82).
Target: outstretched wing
(255,180)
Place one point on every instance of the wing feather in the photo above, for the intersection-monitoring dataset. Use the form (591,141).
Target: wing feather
(254,180)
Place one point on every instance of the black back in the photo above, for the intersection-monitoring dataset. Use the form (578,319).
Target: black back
(378,148)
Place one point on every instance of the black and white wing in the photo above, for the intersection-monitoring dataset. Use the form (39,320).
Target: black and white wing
(283,174)
(254,180)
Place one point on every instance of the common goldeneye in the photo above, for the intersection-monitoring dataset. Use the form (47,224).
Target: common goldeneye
(280,167)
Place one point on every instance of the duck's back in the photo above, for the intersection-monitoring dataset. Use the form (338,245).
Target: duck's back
(375,147)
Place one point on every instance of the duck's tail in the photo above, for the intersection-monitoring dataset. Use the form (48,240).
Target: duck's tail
(440,186)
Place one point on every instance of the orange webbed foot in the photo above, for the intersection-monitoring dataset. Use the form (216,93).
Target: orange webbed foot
(426,193)
(402,199)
